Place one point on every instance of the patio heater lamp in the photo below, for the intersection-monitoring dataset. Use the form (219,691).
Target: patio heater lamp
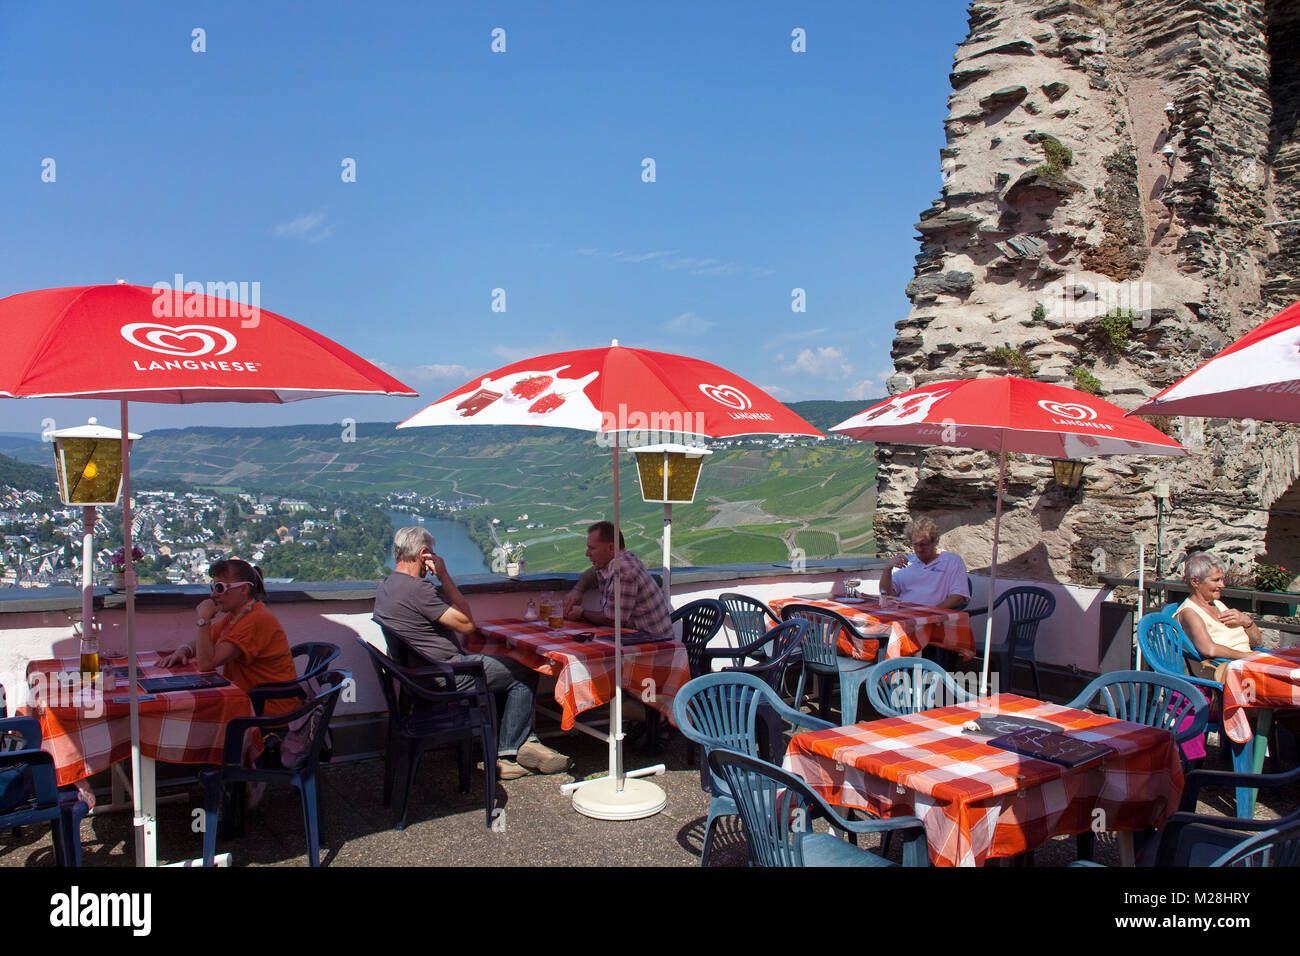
(1068,473)
(88,462)
(669,474)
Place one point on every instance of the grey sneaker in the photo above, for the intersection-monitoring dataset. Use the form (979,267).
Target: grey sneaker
(537,756)
(511,770)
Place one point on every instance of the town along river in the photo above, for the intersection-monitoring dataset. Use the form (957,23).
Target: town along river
(451,540)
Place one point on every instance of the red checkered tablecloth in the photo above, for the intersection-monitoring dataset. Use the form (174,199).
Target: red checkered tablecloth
(910,627)
(978,801)
(1265,679)
(187,726)
(584,671)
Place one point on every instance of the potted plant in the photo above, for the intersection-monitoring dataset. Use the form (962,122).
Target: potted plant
(118,562)
(514,558)
(1273,577)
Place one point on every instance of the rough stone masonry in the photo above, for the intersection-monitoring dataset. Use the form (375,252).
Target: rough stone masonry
(1113,175)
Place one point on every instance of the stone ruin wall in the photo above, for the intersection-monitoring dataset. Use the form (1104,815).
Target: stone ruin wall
(1010,233)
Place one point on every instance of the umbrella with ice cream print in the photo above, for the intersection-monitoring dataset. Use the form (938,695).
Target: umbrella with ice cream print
(612,391)
(1007,414)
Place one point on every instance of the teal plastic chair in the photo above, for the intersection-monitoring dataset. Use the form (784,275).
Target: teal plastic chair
(1156,700)
(1028,607)
(822,659)
(909,685)
(1279,846)
(733,711)
(750,619)
(777,810)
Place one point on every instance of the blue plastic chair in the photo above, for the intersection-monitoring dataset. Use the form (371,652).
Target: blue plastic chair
(313,719)
(1028,607)
(1166,648)
(701,621)
(426,712)
(909,685)
(725,710)
(822,659)
(29,793)
(777,810)
(751,619)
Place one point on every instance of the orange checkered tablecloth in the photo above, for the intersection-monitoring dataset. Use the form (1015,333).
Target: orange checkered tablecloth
(1265,679)
(978,801)
(910,627)
(187,726)
(583,672)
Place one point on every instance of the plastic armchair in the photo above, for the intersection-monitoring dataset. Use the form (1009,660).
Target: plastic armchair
(1155,700)
(909,685)
(1028,607)
(319,656)
(29,793)
(782,643)
(821,658)
(426,712)
(1192,839)
(726,710)
(751,619)
(701,621)
(313,719)
(777,808)
(1279,846)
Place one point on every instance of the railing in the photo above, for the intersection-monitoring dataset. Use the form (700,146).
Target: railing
(1162,592)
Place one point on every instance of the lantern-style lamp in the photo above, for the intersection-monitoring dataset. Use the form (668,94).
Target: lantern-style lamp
(1068,473)
(88,461)
(669,474)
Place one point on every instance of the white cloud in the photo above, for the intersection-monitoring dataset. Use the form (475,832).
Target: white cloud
(824,362)
(870,388)
(311,226)
(456,374)
(689,323)
(669,259)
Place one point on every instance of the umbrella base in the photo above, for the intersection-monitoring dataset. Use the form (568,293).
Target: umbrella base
(602,800)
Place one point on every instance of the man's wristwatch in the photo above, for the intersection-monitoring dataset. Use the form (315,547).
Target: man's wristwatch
(201,622)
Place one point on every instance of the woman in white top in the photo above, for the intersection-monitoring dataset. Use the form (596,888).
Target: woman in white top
(1215,630)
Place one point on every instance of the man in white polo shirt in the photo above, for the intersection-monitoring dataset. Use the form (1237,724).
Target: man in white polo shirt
(930,577)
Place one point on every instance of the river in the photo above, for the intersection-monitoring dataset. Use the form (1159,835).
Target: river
(452,541)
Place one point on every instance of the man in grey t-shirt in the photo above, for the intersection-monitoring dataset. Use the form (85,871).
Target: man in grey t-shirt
(432,620)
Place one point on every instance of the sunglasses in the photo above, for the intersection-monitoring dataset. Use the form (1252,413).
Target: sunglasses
(221,587)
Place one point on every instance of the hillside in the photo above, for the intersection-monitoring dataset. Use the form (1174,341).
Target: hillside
(754,503)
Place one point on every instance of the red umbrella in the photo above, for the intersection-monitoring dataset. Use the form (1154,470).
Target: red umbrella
(1258,376)
(610,391)
(1007,414)
(135,343)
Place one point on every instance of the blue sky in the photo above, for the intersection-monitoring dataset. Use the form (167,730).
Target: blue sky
(478,170)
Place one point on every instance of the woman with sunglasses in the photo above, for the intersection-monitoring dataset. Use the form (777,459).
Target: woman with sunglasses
(235,630)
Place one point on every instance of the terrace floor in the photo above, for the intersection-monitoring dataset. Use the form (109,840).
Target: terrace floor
(446,827)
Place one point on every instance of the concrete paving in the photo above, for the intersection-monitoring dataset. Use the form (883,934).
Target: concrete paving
(536,825)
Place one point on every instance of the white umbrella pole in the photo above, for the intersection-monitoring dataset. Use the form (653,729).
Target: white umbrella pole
(993,577)
(619,796)
(88,572)
(145,844)
(616,739)
(668,552)
(1142,565)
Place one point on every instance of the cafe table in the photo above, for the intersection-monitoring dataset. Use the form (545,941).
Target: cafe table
(584,670)
(89,733)
(978,801)
(1261,683)
(910,627)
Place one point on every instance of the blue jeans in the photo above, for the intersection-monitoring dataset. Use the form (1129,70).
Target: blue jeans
(519,684)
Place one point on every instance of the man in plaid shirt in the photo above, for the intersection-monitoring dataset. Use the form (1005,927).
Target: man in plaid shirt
(642,601)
